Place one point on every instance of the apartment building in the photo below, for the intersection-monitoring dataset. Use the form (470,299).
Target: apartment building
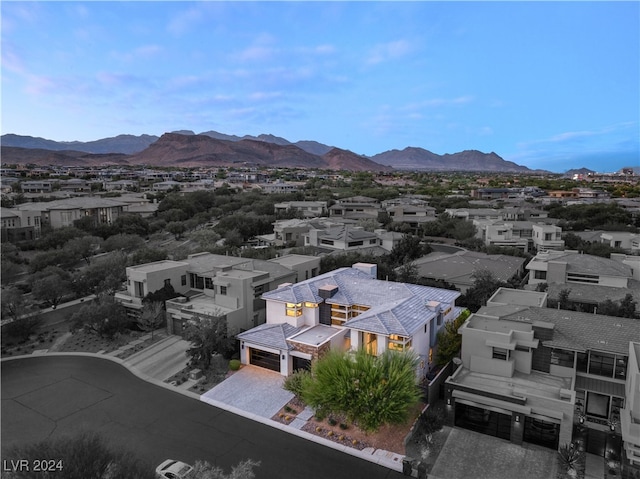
(542,376)
(348,308)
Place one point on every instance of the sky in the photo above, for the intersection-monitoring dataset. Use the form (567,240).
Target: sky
(549,85)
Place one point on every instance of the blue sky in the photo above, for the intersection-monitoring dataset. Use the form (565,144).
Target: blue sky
(552,85)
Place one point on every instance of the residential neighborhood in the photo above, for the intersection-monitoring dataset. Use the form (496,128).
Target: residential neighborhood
(522,323)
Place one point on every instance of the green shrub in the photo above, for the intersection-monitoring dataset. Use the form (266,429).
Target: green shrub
(369,390)
(296,382)
(234,364)
(343,426)
(332,421)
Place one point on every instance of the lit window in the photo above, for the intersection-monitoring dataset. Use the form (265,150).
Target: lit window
(399,343)
(310,305)
(294,309)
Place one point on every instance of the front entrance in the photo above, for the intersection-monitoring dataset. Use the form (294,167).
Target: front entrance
(484,421)
(301,363)
(264,359)
(542,433)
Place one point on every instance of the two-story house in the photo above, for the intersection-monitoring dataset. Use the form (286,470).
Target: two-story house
(524,235)
(348,308)
(307,209)
(355,208)
(533,374)
(589,279)
(214,285)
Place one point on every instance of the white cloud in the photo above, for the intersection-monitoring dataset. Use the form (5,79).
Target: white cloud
(388,51)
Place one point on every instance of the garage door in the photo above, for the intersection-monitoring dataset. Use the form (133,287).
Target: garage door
(482,420)
(264,359)
(542,433)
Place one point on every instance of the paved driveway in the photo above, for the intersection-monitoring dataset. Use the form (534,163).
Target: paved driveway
(251,389)
(470,454)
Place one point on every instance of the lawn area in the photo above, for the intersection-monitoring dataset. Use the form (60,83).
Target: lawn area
(469,454)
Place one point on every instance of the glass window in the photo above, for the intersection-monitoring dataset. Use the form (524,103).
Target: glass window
(562,358)
(581,364)
(601,364)
(223,290)
(208,283)
(621,367)
(500,353)
(294,309)
(183,280)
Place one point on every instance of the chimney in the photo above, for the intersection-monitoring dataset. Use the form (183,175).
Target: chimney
(327,291)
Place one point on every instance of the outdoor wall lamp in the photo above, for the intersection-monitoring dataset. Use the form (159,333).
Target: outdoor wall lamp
(448,401)
(517,418)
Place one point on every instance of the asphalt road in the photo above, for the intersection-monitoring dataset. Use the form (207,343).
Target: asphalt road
(51,396)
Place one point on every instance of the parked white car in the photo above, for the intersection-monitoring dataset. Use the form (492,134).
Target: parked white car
(172,469)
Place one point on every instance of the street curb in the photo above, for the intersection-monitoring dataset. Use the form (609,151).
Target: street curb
(367,456)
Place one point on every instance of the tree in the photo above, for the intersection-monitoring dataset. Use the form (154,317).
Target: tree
(407,249)
(449,341)
(51,288)
(151,316)
(103,276)
(84,456)
(83,247)
(369,390)
(104,317)
(123,241)
(161,295)
(48,258)
(484,285)
(23,321)
(176,228)
(628,306)
(148,255)
(563,299)
(209,336)
(244,470)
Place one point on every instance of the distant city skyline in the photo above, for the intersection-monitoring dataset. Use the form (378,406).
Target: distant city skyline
(548,85)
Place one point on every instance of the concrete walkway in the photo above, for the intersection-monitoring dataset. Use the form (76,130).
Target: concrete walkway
(594,468)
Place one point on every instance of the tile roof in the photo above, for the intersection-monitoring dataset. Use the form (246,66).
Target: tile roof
(396,308)
(582,331)
(586,263)
(595,293)
(271,335)
(460,266)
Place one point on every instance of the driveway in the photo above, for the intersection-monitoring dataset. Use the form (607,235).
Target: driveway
(471,454)
(251,389)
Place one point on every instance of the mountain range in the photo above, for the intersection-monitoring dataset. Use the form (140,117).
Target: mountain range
(210,149)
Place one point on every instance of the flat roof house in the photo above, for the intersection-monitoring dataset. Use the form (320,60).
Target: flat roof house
(345,309)
(543,376)
(214,285)
(589,279)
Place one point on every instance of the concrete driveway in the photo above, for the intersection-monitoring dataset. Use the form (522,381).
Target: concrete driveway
(251,389)
(470,454)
